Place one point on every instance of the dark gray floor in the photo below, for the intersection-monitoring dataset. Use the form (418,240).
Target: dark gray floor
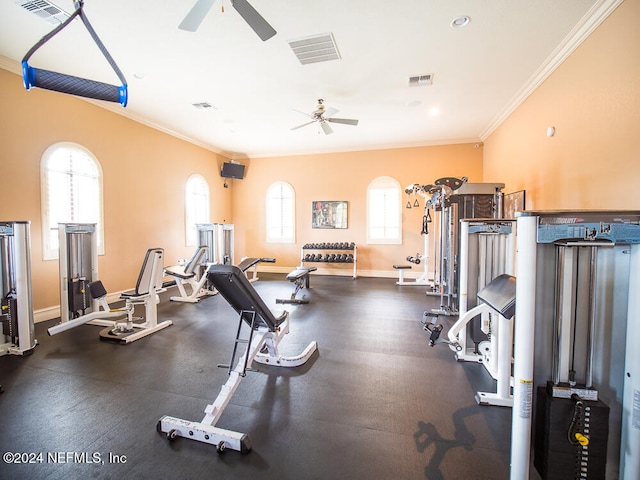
(374,403)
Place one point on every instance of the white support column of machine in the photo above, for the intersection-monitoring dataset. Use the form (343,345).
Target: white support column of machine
(524,348)
(17,308)
(630,444)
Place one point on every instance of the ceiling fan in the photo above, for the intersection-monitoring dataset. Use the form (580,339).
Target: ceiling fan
(259,25)
(323,115)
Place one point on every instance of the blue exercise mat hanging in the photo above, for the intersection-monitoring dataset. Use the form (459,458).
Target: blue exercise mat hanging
(59,82)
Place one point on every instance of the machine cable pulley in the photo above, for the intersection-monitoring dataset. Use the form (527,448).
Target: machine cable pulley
(59,82)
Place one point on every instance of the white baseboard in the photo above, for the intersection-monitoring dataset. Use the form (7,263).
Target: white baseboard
(346,271)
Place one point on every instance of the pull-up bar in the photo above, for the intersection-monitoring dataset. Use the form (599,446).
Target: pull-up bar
(60,82)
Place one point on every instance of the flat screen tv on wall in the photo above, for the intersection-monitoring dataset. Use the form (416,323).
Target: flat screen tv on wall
(232,170)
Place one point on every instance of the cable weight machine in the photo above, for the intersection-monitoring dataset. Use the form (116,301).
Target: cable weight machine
(578,286)
(78,267)
(16,316)
(455,199)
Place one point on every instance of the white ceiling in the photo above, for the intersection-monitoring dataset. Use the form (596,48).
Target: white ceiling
(480,72)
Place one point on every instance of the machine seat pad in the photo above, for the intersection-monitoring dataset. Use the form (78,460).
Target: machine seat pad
(249,262)
(402,267)
(500,295)
(300,272)
(178,271)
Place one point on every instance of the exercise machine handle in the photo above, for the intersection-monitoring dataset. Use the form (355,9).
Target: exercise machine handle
(82,87)
(62,83)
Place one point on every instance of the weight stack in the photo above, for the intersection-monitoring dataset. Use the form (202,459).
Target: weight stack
(554,456)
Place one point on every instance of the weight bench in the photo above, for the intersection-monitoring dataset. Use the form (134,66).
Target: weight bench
(497,308)
(148,285)
(401,269)
(191,274)
(265,330)
(300,278)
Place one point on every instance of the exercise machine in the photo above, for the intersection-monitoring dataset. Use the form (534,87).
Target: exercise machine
(426,192)
(264,332)
(78,268)
(16,317)
(497,307)
(578,288)
(251,264)
(300,278)
(218,238)
(148,286)
(455,200)
(59,82)
(487,250)
(193,274)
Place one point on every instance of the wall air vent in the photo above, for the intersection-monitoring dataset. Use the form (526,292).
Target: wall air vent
(45,10)
(314,49)
(421,80)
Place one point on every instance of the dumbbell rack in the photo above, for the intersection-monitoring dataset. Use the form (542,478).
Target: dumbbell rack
(338,253)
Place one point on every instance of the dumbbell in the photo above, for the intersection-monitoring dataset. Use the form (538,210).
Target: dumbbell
(349,258)
(307,257)
(415,260)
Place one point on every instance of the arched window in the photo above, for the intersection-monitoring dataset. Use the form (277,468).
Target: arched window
(280,214)
(384,211)
(71,184)
(196,206)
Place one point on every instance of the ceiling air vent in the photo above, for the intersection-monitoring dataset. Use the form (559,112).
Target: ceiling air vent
(45,10)
(421,80)
(314,49)
(203,105)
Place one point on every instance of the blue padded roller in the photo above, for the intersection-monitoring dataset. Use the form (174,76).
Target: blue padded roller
(82,87)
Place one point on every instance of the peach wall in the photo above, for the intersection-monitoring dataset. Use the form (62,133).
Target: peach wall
(144,172)
(344,176)
(593,101)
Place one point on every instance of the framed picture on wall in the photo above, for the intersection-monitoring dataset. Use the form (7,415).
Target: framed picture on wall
(329,214)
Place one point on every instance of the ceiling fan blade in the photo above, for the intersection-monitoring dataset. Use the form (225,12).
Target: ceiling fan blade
(346,121)
(254,19)
(303,125)
(327,129)
(330,112)
(195,16)
(302,113)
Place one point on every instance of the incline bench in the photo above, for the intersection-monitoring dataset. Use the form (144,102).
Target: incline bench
(265,331)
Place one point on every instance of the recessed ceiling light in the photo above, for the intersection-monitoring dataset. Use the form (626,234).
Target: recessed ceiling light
(414,103)
(461,21)
(138,75)
(434,111)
